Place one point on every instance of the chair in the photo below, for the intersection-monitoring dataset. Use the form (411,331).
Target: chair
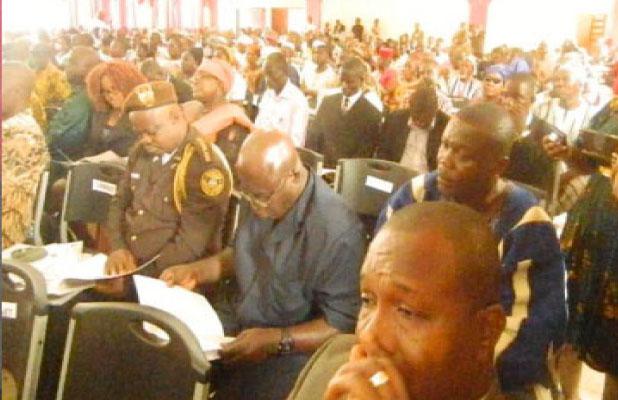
(231,220)
(39,208)
(24,323)
(366,185)
(89,190)
(312,159)
(109,355)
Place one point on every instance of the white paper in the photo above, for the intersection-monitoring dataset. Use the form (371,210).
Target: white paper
(9,310)
(379,184)
(66,269)
(191,308)
(103,187)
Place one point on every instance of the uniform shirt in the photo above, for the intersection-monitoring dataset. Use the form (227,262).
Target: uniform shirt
(303,267)
(144,219)
(287,112)
(533,292)
(24,157)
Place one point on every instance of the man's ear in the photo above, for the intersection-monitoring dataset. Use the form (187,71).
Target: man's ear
(492,321)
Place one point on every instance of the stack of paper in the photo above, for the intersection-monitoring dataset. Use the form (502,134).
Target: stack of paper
(191,308)
(66,269)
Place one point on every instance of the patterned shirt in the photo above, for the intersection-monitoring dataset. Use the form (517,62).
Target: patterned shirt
(24,157)
(51,88)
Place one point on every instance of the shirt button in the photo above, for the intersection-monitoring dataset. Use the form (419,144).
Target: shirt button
(166,199)
(140,212)
(133,238)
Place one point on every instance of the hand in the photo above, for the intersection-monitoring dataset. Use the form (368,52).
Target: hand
(120,262)
(557,151)
(354,379)
(183,275)
(251,346)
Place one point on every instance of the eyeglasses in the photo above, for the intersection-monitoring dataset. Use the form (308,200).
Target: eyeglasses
(261,201)
(493,80)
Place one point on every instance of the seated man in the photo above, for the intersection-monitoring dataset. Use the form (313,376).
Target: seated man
(430,314)
(174,195)
(296,259)
(347,124)
(473,154)
(412,136)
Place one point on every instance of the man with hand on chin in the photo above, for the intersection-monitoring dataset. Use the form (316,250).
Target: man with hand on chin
(430,314)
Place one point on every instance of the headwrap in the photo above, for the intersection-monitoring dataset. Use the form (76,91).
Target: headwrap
(498,69)
(220,70)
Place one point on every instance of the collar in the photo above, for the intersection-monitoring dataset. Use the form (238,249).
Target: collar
(411,125)
(291,223)
(286,92)
(352,99)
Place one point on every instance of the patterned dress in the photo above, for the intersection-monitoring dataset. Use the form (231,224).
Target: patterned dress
(24,158)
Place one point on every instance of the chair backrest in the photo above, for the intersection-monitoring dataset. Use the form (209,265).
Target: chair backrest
(24,322)
(231,220)
(89,190)
(109,355)
(39,208)
(366,184)
(312,159)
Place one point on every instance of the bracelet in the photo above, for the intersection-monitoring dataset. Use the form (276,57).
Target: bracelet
(286,344)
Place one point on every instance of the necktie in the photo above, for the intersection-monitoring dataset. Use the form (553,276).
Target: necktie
(346,103)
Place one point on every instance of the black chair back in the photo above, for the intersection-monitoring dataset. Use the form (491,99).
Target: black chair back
(109,355)
(89,190)
(312,159)
(24,323)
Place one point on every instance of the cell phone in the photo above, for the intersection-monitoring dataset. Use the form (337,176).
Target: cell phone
(597,144)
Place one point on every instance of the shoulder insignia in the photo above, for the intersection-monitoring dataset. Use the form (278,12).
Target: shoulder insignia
(212,182)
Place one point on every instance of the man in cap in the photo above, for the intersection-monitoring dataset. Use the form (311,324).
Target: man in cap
(173,197)
(430,314)
(295,258)
(472,156)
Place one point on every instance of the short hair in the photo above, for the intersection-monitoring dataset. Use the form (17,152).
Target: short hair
(150,67)
(423,98)
(197,53)
(354,66)
(492,121)
(124,75)
(277,61)
(479,270)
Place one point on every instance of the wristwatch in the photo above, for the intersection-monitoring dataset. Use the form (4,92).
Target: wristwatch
(286,344)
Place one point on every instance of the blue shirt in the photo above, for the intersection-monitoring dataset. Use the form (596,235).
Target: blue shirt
(533,291)
(303,267)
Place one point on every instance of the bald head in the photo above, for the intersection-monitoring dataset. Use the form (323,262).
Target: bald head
(17,85)
(478,262)
(270,174)
(491,123)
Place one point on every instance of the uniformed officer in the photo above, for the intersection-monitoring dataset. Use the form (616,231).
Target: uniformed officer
(174,195)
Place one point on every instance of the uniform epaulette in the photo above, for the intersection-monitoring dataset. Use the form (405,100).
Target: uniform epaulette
(216,181)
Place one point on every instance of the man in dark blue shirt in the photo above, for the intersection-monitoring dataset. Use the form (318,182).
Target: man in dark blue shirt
(296,260)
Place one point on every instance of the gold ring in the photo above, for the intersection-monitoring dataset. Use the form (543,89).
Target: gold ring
(378,379)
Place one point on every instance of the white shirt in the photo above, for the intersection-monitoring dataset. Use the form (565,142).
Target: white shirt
(568,121)
(415,152)
(287,112)
(238,91)
(315,81)
(468,90)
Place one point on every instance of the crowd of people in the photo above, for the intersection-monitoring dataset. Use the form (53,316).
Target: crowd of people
(466,291)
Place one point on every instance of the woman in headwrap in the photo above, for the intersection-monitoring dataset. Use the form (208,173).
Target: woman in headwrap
(493,83)
(211,115)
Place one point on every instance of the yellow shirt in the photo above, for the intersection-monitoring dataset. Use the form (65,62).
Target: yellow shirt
(52,88)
